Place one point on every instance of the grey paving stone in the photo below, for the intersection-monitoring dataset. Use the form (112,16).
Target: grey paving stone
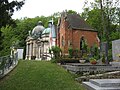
(102,84)
(91,86)
(106,82)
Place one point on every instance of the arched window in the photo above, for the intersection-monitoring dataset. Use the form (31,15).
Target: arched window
(81,42)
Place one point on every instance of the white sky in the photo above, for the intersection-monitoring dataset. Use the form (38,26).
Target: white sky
(33,8)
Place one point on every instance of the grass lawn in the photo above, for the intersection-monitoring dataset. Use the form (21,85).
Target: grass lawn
(39,75)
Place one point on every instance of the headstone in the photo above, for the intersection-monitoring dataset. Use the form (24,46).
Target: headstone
(103,47)
(104,51)
(116,49)
(20,53)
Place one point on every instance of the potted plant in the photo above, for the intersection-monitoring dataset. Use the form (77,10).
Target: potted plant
(93,60)
(83,59)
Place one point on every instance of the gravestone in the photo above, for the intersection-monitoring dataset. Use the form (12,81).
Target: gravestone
(116,49)
(103,46)
(20,53)
(104,51)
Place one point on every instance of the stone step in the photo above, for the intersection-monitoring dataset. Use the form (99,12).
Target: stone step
(91,86)
(106,82)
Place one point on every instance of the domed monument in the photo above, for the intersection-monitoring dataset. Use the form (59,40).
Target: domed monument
(39,41)
(37,31)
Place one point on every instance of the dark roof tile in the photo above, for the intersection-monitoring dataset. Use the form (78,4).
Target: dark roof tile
(76,22)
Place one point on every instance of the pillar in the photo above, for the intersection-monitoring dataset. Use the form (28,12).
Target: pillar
(39,51)
(37,55)
(27,53)
(31,52)
(34,49)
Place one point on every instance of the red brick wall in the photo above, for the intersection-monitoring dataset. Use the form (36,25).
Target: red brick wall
(89,36)
(60,34)
(74,37)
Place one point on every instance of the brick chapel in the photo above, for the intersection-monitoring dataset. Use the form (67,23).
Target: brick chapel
(72,29)
(70,32)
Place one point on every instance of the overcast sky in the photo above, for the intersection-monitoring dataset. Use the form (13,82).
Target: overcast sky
(33,8)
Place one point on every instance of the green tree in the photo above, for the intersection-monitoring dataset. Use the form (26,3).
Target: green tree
(103,16)
(6,11)
(20,32)
(8,39)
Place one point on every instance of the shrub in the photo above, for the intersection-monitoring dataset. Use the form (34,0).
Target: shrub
(76,52)
(56,51)
(70,51)
(95,51)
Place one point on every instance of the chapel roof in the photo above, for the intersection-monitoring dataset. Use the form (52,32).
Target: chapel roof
(77,22)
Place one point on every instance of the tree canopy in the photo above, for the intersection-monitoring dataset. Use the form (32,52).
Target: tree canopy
(93,15)
(19,33)
(6,11)
(104,16)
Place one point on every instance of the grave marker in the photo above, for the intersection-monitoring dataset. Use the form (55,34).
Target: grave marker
(116,49)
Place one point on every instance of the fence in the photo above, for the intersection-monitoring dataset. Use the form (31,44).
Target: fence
(7,63)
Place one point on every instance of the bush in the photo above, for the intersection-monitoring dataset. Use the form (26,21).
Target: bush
(76,52)
(56,51)
(70,51)
(95,51)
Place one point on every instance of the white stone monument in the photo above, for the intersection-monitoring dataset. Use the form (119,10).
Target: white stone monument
(20,53)
(116,49)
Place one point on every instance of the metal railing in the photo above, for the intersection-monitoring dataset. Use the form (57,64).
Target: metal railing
(7,63)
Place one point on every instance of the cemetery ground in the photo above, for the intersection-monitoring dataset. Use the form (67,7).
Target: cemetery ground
(39,75)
